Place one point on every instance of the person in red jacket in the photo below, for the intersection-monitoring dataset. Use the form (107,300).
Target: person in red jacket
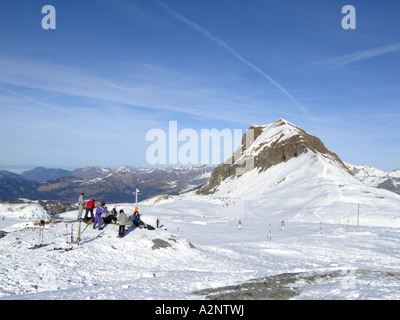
(90,205)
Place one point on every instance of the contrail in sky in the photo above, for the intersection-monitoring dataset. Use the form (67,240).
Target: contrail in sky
(213,38)
(358,56)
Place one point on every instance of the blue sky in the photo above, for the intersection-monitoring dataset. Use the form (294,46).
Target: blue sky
(88,92)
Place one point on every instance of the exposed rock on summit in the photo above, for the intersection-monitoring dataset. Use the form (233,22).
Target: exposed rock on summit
(265,146)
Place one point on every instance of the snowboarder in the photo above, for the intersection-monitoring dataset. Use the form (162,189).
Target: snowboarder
(90,205)
(99,211)
(81,202)
(122,219)
(283,225)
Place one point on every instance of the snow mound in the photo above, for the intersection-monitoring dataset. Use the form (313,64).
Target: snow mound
(16,215)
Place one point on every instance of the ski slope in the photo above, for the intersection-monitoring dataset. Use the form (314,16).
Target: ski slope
(206,251)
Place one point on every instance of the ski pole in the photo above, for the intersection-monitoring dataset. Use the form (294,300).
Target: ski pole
(66,232)
(84,229)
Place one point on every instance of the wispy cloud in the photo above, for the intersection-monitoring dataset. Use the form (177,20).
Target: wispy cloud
(145,89)
(223,44)
(344,60)
(29,99)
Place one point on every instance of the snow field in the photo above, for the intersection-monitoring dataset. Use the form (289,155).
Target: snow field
(307,192)
(341,237)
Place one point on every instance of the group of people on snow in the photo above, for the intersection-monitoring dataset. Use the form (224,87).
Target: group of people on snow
(102,215)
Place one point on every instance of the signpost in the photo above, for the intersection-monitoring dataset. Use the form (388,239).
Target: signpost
(136,193)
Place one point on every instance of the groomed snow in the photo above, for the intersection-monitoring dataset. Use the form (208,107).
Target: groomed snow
(318,201)
(108,267)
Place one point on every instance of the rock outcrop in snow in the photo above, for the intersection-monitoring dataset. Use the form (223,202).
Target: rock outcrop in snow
(266,146)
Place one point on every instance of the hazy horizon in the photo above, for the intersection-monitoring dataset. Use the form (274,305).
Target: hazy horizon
(89,91)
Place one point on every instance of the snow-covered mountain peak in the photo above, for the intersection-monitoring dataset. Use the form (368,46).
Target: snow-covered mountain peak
(293,172)
(269,145)
(259,137)
(276,131)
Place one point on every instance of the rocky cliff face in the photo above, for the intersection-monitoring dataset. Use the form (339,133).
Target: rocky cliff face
(265,146)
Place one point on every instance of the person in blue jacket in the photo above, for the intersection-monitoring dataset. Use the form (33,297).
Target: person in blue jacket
(97,219)
(136,219)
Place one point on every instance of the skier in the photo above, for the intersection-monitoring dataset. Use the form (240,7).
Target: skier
(122,219)
(90,205)
(81,202)
(283,225)
(99,211)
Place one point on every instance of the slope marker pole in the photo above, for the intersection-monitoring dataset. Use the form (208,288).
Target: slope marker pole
(270,233)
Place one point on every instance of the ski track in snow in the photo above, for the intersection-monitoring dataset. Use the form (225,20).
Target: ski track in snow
(106,267)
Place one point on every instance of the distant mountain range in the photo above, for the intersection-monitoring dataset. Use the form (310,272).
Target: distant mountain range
(376,178)
(102,184)
(45,174)
(274,147)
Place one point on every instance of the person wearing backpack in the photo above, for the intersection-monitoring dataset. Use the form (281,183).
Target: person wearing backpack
(122,219)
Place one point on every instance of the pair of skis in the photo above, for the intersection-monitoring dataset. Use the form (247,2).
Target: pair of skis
(78,240)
